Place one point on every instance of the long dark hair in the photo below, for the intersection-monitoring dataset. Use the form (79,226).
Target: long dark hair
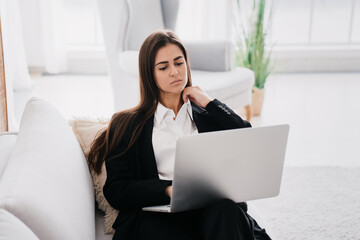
(109,140)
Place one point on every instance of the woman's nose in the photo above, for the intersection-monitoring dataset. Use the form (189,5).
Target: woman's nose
(174,71)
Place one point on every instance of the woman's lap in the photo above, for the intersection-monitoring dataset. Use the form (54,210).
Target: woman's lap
(222,219)
(157,225)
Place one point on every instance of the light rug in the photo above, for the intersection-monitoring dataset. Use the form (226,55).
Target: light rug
(314,203)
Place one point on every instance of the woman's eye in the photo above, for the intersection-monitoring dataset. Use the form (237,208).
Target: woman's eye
(162,69)
(179,63)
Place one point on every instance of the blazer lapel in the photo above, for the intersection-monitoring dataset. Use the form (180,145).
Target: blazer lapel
(198,115)
(148,150)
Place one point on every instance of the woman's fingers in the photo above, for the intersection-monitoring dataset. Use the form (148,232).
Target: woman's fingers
(185,95)
(168,190)
(196,95)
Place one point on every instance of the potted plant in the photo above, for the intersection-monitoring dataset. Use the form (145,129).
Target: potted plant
(251,52)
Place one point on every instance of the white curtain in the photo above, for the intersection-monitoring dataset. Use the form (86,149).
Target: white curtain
(205,20)
(54,51)
(47,33)
(44,34)
(16,70)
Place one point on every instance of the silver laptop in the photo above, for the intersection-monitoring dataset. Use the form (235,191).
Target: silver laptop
(241,165)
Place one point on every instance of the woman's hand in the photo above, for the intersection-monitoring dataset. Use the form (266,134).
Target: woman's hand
(168,191)
(196,95)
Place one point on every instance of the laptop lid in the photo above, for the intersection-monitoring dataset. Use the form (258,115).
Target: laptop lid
(240,164)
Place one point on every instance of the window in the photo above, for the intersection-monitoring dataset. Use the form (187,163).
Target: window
(297,25)
(316,22)
(294,22)
(82,24)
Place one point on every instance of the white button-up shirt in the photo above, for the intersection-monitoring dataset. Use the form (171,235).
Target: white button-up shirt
(165,133)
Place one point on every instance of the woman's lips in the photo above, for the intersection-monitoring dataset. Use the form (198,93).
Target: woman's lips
(176,81)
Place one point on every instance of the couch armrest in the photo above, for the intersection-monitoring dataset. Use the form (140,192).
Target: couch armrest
(13,228)
(215,56)
(7,143)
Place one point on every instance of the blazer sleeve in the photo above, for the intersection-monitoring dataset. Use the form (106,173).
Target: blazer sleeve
(225,116)
(126,188)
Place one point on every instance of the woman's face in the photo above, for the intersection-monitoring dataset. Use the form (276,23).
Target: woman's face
(170,70)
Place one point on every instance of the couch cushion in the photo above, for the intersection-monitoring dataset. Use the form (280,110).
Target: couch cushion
(214,56)
(222,85)
(47,184)
(7,142)
(85,131)
(13,229)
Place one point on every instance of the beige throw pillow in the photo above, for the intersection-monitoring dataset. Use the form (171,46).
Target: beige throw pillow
(85,131)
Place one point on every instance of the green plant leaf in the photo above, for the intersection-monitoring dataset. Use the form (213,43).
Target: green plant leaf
(251,51)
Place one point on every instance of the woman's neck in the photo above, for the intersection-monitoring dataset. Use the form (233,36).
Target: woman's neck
(173,103)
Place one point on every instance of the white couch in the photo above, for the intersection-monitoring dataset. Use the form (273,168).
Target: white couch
(46,191)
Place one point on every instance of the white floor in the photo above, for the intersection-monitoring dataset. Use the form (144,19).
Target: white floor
(323,110)
(75,95)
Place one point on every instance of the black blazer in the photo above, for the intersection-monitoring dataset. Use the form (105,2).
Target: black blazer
(132,179)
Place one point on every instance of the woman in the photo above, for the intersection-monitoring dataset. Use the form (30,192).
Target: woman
(138,148)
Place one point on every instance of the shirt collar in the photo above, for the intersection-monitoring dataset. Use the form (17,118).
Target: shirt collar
(161,111)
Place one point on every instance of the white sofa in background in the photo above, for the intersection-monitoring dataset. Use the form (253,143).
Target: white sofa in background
(46,191)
